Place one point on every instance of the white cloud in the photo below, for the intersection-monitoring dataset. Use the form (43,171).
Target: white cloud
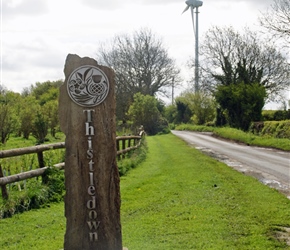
(37,35)
(18,8)
(116,4)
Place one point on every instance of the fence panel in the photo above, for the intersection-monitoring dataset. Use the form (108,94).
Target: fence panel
(4,180)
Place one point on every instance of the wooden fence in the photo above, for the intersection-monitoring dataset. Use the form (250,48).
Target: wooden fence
(124,144)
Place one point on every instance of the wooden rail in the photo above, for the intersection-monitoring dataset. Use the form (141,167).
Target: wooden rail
(30,150)
(127,148)
(124,145)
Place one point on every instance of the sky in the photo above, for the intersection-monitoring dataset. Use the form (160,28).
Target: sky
(37,35)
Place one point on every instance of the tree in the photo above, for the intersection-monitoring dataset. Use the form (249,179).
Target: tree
(184,113)
(170,113)
(5,122)
(242,102)
(40,126)
(8,114)
(46,91)
(46,115)
(277,19)
(141,64)
(231,57)
(27,115)
(144,112)
(34,111)
(2,89)
(50,109)
(201,106)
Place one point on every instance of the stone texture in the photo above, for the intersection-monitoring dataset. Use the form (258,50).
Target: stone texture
(92,201)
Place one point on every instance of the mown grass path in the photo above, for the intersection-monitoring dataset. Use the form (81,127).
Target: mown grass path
(181,199)
(177,198)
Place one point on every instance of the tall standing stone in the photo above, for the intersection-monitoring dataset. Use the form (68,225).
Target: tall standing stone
(87,117)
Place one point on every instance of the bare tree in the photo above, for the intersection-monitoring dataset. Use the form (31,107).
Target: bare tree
(231,57)
(141,64)
(277,19)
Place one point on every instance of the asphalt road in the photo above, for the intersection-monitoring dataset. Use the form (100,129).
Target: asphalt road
(270,166)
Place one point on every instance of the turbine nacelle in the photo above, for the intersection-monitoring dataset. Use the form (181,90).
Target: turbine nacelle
(193,4)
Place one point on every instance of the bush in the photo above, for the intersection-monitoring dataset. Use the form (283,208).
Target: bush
(243,103)
(197,128)
(55,184)
(133,159)
(144,112)
(277,129)
(276,115)
(35,195)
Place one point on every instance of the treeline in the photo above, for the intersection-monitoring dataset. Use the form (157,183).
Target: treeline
(33,112)
(276,115)
(203,109)
(241,72)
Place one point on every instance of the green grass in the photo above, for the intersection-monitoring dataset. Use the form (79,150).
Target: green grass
(254,140)
(23,163)
(20,142)
(41,229)
(186,200)
(240,136)
(177,198)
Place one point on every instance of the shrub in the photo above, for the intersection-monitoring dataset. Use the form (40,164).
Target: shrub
(133,159)
(277,129)
(243,103)
(276,115)
(144,112)
(35,195)
(55,184)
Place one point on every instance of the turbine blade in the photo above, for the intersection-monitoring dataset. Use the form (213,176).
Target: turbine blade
(186,9)
(192,17)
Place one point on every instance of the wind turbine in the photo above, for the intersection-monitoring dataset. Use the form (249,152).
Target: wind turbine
(194,4)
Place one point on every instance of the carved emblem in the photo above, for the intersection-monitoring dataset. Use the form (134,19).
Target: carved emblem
(88,86)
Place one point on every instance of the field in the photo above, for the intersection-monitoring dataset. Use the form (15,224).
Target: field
(177,198)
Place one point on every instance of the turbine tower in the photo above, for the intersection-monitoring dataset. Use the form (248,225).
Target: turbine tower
(194,4)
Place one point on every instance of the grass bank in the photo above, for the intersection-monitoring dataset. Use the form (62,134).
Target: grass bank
(240,136)
(177,198)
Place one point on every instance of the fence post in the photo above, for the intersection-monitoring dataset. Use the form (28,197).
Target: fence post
(42,165)
(123,147)
(3,188)
(40,159)
(118,148)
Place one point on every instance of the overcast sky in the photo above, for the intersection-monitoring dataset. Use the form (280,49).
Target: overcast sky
(37,35)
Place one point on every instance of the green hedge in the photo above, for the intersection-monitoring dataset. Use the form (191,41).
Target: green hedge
(276,115)
(277,129)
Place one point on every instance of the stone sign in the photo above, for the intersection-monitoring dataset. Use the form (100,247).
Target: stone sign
(87,117)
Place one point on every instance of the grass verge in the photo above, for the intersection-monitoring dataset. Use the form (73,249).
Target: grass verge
(40,229)
(240,136)
(177,198)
